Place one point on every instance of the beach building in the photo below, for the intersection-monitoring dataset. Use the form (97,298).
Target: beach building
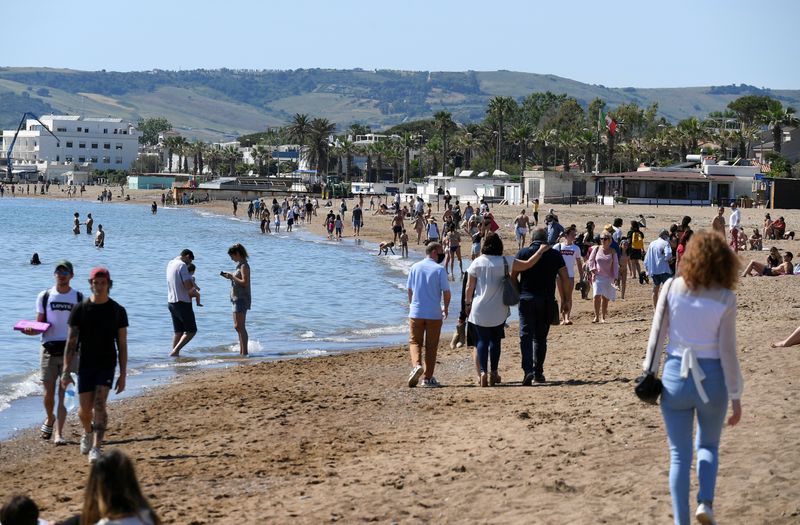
(150,181)
(98,142)
(470,186)
(558,186)
(698,181)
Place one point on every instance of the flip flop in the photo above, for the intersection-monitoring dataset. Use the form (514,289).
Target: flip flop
(47,431)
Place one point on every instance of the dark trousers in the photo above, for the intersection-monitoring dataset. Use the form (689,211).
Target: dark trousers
(534,325)
(488,346)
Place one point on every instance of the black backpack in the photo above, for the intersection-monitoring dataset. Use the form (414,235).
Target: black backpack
(47,296)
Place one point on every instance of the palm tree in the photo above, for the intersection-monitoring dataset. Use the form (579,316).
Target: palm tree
(432,149)
(179,147)
(320,131)
(467,143)
(500,108)
(394,153)
(522,136)
(693,130)
(214,157)
(231,155)
(777,118)
(406,143)
(380,150)
(299,129)
(541,137)
(260,153)
(171,144)
(443,122)
(347,149)
(198,148)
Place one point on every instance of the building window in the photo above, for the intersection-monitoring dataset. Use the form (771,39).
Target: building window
(124,131)
(81,159)
(94,160)
(115,132)
(69,144)
(58,158)
(68,158)
(107,145)
(82,145)
(119,145)
(105,130)
(118,160)
(106,160)
(94,145)
(80,129)
(62,130)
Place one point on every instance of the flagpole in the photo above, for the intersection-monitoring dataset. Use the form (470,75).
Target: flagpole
(597,149)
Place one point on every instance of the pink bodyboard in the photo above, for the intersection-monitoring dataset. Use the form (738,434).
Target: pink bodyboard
(36,326)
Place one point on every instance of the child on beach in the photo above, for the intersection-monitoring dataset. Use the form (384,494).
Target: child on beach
(385,247)
(194,292)
(404,245)
(277,222)
(338,226)
(329,225)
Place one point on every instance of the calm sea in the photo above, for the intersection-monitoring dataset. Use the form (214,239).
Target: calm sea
(311,296)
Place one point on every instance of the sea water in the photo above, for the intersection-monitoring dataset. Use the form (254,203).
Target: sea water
(311,296)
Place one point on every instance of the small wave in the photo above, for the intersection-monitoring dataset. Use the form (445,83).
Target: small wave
(29,385)
(308,334)
(185,364)
(381,330)
(312,352)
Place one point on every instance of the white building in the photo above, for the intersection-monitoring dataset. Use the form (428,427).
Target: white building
(102,143)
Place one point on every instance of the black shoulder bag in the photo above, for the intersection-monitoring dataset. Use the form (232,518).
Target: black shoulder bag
(647,386)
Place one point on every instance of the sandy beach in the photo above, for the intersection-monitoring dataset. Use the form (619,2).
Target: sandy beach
(343,439)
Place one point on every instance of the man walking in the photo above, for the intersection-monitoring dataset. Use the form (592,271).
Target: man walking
(179,284)
(537,290)
(54,306)
(735,221)
(100,327)
(718,224)
(522,223)
(427,286)
(656,262)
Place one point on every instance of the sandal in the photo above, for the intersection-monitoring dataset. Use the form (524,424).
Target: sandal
(47,431)
(59,441)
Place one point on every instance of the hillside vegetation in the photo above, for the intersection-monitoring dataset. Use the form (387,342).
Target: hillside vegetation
(223,104)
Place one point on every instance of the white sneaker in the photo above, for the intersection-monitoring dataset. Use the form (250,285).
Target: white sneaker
(94,454)
(705,514)
(413,378)
(86,442)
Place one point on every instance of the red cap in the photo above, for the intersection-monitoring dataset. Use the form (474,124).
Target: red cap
(99,271)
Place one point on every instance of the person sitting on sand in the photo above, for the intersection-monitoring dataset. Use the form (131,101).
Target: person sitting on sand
(382,210)
(113,494)
(785,268)
(385,247)
(792,340)
(756,241)
(778,227)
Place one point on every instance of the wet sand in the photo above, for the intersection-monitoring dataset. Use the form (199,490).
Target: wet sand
(342,439)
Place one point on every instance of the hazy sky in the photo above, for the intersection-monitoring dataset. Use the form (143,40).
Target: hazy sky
(644,43)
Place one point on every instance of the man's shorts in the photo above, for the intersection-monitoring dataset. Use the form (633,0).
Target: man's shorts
(89,379)
(182,317)
(660,278)
(521,232)
(52,366)
(397,229)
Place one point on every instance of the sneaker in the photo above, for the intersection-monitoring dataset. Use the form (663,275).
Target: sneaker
(430,383)
(413,378)
(94,454)
(705,514)
(539,378)
(484,380)
(86,442)
(528,379)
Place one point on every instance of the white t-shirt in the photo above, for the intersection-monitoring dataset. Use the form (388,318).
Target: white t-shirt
(177,274)
(617,235)
(59,306)
(735,218)
(488,309)
(570,253)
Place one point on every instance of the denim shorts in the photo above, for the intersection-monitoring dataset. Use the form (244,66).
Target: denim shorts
(660,278)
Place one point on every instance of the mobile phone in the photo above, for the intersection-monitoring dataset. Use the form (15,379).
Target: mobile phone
(222,274)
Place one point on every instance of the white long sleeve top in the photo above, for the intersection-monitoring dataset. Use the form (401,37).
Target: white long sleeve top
(700,324)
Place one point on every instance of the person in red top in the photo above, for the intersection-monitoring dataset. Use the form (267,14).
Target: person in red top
(681,249)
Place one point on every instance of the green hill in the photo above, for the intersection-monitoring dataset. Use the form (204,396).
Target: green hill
(223,103)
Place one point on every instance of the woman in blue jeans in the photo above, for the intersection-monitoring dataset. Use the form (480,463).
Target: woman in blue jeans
(484,302)
(698,312)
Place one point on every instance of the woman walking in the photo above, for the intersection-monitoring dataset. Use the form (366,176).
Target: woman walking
(240,293)
(572,255)
(484,302)
(698,312)
(604,265)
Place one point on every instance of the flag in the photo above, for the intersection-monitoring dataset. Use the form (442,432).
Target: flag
(611,124)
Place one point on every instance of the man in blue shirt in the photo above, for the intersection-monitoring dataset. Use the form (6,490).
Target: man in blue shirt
(656,262)
(554,229)
(427,285)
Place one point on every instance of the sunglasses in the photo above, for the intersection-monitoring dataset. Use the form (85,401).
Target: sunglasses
(605,238)
(62,272)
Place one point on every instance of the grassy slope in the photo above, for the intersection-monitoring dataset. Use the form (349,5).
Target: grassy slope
(200,112)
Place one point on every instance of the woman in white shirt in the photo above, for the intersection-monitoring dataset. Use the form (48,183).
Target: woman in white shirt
(571,253)
(484,301)
(113,495)
(698,312)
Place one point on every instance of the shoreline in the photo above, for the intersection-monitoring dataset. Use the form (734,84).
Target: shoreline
(342,439)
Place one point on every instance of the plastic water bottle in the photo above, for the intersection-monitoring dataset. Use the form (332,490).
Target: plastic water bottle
(71,395)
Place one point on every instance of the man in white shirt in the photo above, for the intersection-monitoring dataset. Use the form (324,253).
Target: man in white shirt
(179,284)
(735,223)
(571,254)
(54,306)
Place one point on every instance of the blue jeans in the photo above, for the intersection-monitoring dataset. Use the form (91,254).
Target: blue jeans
(534,325)
(679,404)
(488,345)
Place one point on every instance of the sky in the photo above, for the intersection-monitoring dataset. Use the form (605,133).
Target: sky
(644,43)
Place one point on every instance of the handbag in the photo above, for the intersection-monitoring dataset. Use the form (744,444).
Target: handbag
(510,291)
(647,386)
